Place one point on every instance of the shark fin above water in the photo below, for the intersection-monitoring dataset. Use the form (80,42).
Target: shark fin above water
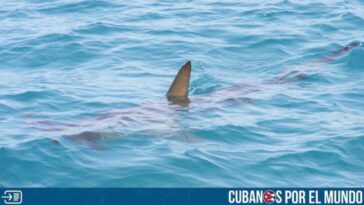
(179,87)
(178,92)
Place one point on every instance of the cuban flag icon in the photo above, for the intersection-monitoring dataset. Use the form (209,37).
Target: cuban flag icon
(269,196)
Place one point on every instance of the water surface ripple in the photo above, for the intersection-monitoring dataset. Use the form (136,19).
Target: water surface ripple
(66,65)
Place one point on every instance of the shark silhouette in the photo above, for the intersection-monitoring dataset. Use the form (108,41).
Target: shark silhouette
(178,98)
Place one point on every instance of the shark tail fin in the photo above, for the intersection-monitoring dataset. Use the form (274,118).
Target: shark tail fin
(179,87)
(333,56)
(297,74)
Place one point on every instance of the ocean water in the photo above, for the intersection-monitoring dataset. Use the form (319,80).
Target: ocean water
(68,67)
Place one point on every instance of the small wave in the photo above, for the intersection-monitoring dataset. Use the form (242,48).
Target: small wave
(50,50)
(31,95)
(103,28)
(75,7)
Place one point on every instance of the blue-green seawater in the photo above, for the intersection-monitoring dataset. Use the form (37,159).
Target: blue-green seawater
(63,64)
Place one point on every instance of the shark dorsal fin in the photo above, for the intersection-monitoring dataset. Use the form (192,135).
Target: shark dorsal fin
(179,87)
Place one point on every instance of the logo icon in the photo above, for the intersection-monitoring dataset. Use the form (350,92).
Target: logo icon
(269,197)
(12,197)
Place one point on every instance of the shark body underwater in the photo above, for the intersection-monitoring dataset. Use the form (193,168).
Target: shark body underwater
(153,116)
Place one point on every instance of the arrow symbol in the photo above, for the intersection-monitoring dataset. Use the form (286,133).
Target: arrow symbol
(9,197)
